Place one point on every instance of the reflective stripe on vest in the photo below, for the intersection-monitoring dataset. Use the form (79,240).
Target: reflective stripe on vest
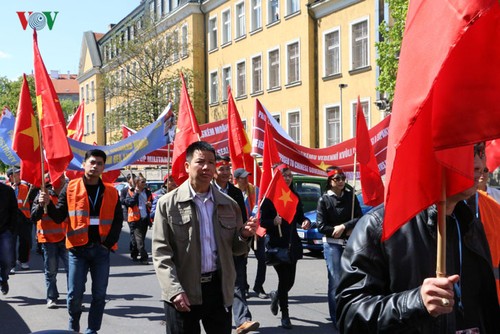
(134,214)
(22,195)
(48,230)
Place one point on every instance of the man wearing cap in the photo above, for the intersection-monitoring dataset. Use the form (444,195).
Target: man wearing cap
(168,185)
(8,208)
(241,312)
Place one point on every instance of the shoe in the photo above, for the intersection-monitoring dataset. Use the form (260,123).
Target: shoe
(247,295)
(4,287)
(247,326)
(25,266)
(261,293)
(274,302)
(51,304)
(13,271)
(286,323)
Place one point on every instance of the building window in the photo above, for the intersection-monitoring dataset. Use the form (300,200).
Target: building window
(87,123)
(277,118)
(293,62)
(274,69)
(214,87)
(152,6)
(93,122)
(184,47)
(360,52)
(240,20)
(212,33)
(131,34)
(159,9)
(294,126)
(292,6)
(240,79)
(92,91)
(332,52)
(226,81)
(177,46)
(82,97)
(333,125)
(256,14)
(256,74)
(87,93)
(366,112)
(226,27)
(273,11)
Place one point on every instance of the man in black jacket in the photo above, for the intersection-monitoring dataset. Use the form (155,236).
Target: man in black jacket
(390,286)
(8,211)
(241,313)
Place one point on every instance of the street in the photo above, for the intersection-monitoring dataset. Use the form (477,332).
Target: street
(133,300)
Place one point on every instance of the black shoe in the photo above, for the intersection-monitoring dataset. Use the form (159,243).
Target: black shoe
(286,323)
(274,302)
(5,287)
(260,293)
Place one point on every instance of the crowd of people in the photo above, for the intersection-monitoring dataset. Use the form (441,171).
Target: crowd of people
(204,228)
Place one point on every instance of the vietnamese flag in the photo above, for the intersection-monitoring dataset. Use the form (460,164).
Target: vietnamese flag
(269,159)
(26,139)
(493,154)
(127,132)
(284,200)
(52,124)
(238,143)
(75,126)
(188,131)
(371,182)
(446,99)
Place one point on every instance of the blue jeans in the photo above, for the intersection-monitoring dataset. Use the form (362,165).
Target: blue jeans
(241,312)
(52,252)
(6,255)
(81,260)
(260,255)
(332,254)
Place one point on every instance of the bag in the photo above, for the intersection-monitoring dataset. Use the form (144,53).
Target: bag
(277,255)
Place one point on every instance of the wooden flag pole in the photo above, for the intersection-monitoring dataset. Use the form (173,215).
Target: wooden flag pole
(441,235)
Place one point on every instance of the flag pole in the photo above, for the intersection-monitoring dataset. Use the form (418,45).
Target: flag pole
(42,162)
(354,185)
(441,235)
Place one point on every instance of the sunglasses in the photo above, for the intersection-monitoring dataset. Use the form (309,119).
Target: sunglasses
(337,179)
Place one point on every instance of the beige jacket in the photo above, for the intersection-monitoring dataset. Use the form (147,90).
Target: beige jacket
(177,249)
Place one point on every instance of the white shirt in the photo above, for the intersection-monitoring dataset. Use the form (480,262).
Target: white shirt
(494,192)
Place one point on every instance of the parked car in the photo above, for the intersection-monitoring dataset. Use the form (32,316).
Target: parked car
(154,185)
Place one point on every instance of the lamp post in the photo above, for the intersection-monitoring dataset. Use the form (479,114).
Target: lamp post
(341,86)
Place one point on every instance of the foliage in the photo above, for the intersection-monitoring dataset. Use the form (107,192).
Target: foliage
(390,46)
(9,92)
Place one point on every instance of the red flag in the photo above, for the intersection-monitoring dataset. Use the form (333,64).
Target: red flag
(284,200)
(188,131)
(238,143)
(449,104)
(270,158)
(75,126)
(493,154)
(26,140)
(371,182)
(127,132)
(52,124)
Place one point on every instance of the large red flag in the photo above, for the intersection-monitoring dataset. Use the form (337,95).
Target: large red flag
(493,154)
(76,125)
(446,98)
(26,140)
(238,143)
(52,124)
(270,158)
(371,182)
(188,131)
(284,200)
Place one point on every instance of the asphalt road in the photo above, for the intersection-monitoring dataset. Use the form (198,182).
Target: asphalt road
(133,300)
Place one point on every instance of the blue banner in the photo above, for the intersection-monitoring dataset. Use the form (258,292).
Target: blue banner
(7,154)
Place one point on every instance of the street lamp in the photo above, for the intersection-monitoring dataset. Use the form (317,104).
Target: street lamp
(341,86)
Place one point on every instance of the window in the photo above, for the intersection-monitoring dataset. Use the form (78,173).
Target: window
(293,62)
(184,41)
(240,20)
(214,87)
(87,93)
(212,33)
(226,27)
(359,44)
(274,69)
(292,6)
(240,79)
(273,11)
(92,91)
(366,113)
(332,53)
(152,6)
(256,15)
(93,122)
(226,81)
(159,9)
(256,74)
(277,118)
(82,97)
(332,125)
(294,126)
(175,42)
(87,123)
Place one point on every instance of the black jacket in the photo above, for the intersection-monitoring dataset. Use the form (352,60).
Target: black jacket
(8,208)
(380,285)
(333,211)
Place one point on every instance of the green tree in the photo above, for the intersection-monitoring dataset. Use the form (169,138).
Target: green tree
(390,46)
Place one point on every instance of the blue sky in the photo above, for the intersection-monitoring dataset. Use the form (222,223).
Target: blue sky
(60,47)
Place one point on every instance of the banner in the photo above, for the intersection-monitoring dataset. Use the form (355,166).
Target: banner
(7,122)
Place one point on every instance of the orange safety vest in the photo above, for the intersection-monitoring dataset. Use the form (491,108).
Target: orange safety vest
(77,232)
(134,214)
(47,230)
(22,195)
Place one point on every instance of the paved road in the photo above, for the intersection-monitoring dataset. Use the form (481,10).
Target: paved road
(134,305)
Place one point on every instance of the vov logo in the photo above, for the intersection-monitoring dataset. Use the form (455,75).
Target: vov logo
(37,20)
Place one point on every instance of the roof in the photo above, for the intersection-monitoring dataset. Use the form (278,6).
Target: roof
(63,85)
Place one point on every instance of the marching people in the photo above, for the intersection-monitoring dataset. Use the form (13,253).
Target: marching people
(8,221)
(241,312)
(390,286)
(52,237)
(196,232)
(289,238)
(95,221)
(138,201)
(132,245)
(336,219)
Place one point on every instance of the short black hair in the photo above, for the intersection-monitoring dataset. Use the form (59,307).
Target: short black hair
(95,153)
(222,158)
(198,146)
(130,175)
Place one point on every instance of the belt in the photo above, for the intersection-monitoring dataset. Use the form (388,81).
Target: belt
(341,242)
(208,277)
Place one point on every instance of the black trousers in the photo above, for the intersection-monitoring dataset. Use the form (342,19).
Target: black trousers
(140,230)
(286,279)
(216,318)
(23,233)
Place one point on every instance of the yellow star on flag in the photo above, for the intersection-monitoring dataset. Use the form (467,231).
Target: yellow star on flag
(285,197)
(32,132)
(322,165)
